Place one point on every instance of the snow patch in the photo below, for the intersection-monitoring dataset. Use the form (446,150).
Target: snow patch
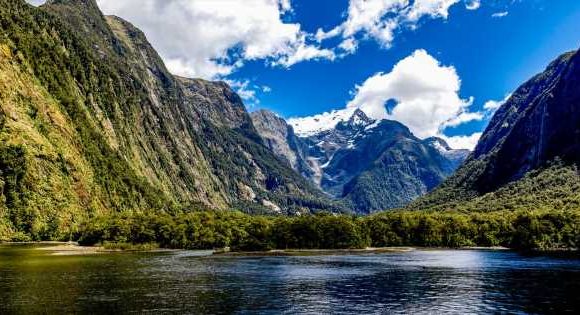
(312,125)
(437,145)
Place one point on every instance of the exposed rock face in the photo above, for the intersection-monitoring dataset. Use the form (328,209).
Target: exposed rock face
(98,124)
(373,165)
(538,124)
(279,137)
(216,103)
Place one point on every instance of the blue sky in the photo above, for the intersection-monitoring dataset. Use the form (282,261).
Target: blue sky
(270,52)
(492,56)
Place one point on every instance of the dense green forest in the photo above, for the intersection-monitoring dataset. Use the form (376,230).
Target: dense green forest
(555,186)
(522,230)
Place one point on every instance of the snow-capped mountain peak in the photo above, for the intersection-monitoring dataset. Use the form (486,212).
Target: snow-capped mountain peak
(359,118)
(312,125)
(438,144)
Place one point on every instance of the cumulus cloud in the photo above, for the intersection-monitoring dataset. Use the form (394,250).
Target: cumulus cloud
(462,142)
(425,92)
(380,19)
(491,106)
(348,45)
(211,39)
(421,93)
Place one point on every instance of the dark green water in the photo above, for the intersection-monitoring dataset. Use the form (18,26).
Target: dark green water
(434,281)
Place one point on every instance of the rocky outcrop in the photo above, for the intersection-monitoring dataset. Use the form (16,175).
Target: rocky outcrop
(540,121)
(280,138)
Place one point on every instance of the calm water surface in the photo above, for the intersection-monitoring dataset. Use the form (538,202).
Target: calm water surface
(432,281)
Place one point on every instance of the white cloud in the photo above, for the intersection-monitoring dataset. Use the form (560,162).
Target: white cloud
(491,106)
(380,19)
(463,118)
(210,39)
(472,4)
(349,45)
(426,94)
(500,14)
(432,8)
(304,52)
(462,142)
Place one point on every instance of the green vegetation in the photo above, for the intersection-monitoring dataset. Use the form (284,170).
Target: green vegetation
(522,230)
(555,187)
(91,123)
(128,247)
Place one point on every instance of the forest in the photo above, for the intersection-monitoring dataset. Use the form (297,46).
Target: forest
(521,230)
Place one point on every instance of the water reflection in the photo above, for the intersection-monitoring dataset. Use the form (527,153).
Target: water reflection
(186,282)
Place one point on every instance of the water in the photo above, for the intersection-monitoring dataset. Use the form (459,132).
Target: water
(432,281)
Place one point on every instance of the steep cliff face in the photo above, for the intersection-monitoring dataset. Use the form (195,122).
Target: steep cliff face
(372,165)
(539,124)
(279,137)
(93,122)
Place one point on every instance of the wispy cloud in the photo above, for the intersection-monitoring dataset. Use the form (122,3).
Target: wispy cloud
(381,19)
(500,14)
(472,4)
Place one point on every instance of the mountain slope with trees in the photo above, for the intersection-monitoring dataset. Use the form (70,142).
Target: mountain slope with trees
(528,156)
(93,123)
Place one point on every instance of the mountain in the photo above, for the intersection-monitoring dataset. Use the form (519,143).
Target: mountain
(532,145)
(92,122)
(455,156)
(372,165)
(280,138)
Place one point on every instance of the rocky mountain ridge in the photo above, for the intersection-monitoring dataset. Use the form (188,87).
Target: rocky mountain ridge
(372,165)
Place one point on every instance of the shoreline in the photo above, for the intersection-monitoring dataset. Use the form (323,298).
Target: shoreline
(59,248)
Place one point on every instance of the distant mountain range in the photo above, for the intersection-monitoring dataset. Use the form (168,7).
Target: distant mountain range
(527,157)
(372,165)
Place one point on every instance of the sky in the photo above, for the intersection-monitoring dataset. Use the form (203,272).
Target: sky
(441,67)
